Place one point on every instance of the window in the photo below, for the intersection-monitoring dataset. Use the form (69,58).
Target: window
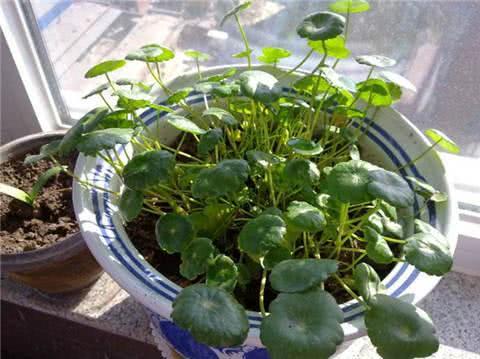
(434,42)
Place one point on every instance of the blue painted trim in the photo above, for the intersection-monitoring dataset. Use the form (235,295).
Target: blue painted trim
(117,255)
(53,13)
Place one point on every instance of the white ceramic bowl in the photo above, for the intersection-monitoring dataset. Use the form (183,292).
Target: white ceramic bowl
(392,141)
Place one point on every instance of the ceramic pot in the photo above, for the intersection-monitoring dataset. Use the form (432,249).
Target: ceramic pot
(391,141)
(65,266)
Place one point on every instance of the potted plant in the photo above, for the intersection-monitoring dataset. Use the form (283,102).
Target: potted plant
(248,202)
(41,245)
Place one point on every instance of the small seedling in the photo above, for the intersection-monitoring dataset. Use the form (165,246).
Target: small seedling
(30,197)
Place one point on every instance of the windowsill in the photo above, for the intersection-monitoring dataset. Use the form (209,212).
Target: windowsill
(105,306)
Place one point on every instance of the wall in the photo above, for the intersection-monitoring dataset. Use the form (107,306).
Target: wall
(17,117)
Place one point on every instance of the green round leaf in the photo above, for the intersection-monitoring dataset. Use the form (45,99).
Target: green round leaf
(174,232)
(220,77)
(198,55)
(388,210)
(424,189)
(87,123)
(429,252)
(349,112)
(96,91)
(377,247)
(222,272)
(211,315)
(93,142)
(227,177)
(261,234)
(151,53)
(322,25)
(205,87)
(221,115)
(47,150)
(233,12)
(213,220)
(375,91)
(395,91)
(262,159)
(132,100)
(226,90)
(298,275)
(367,281)
(439,197)
(130,204)
(349,6)
(305,147)
(271,55)
(195,257)
(104,67)
(309,83)
(137,85)
(148,169)
(427,191)
(375,60)
(348,181)
(399,330)
(335,47)
(302,325)
(300,172)
(443,140)
(336,80)
(275,256)
(398,80)
(242,54)
(304,217)
(184,124)
(117,119)
(160,108)
(391,228)
(390,187)
(375,221)
(259,85)
(209,140)
(179,95)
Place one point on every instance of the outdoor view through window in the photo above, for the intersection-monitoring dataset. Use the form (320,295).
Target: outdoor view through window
(435,42)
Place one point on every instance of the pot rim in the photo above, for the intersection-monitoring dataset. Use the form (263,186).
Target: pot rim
(57,251)
(132,282)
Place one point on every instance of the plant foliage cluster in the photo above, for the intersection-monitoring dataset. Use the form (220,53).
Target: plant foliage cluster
(276,187)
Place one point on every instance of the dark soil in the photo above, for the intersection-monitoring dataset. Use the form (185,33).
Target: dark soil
(141,232)
(51,219)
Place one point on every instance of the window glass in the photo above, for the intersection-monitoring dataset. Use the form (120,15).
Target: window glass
(436,44)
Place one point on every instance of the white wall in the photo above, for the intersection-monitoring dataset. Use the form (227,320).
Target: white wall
(17,117)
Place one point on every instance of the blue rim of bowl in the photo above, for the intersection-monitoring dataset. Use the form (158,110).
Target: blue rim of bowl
(168,290)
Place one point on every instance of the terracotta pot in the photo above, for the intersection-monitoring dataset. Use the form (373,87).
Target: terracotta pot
(63,267)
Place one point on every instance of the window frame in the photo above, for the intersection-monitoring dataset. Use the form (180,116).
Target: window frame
(24,40)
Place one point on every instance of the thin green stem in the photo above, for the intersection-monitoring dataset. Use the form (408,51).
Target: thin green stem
(105,101)
(350,291)
(298,66)
(245,41)
(261,299)
(419,156)
(110,81)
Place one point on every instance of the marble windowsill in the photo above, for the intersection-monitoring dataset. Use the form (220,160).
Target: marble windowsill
(454,307)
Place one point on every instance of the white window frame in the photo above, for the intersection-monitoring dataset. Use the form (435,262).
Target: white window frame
(48,106)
